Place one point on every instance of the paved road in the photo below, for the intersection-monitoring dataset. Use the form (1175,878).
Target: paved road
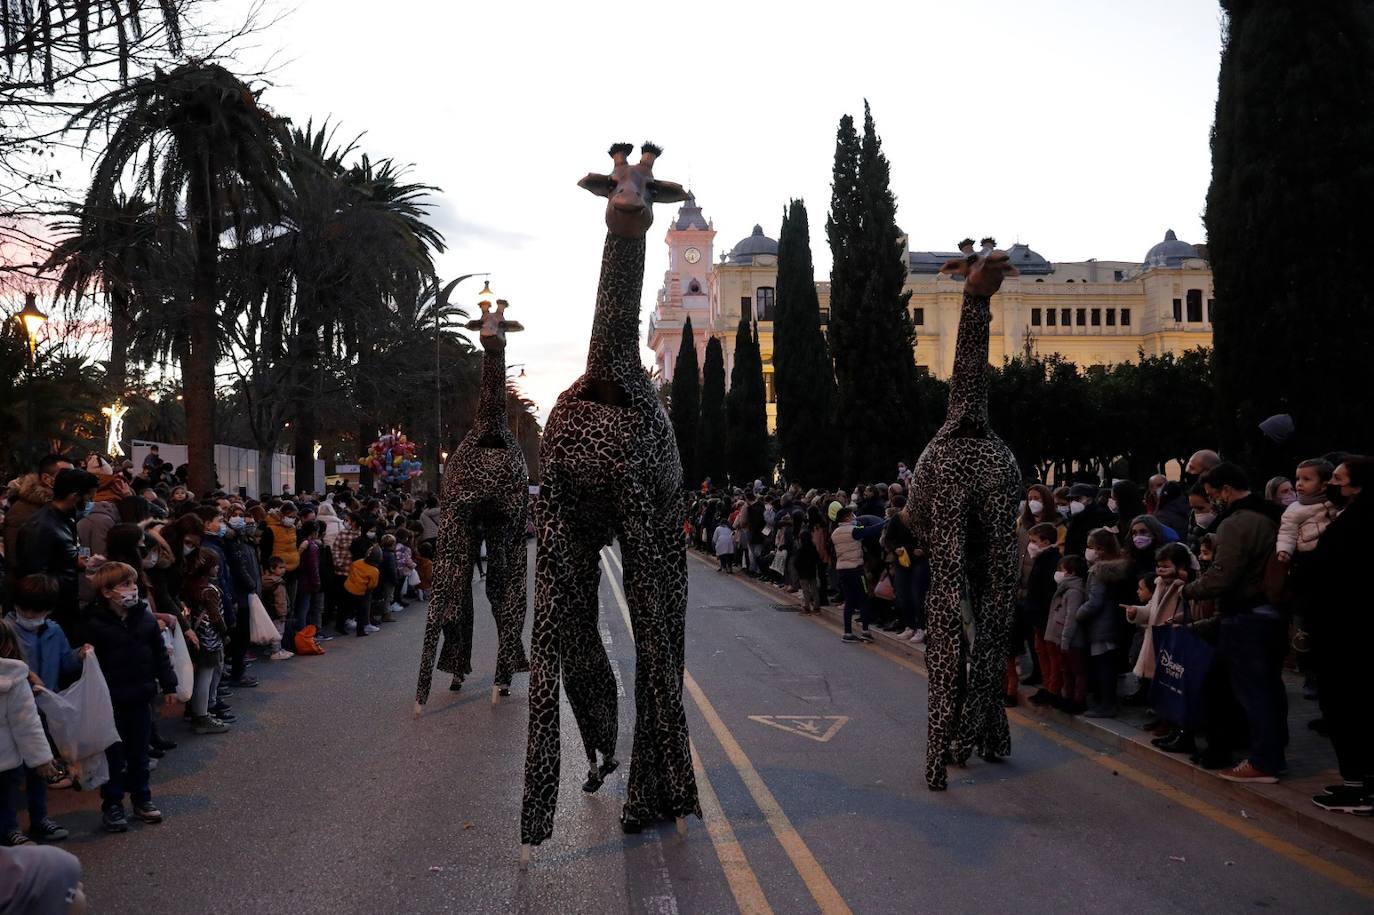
(329,797)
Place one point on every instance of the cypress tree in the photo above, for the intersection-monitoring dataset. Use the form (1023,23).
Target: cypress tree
(1292,185)
(686,406)
(872,338)
(803,377)
(746,416)
(710,450)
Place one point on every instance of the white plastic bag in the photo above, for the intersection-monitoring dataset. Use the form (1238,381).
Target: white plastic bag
(181,663)
(413,579)
(261,631)
(81,721)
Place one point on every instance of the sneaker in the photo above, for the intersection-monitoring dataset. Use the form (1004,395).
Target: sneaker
(850,638)
(224,716)
(919,637)
(244,682)
(865,635)
(369,629)
(224,693)
(281,654)
(906,634)
(350,625)
(219,707)
(1346,799)
(394,607)
(148,812)
(1247,772)
(14,837)
(113,819)
(208,725)
(324,637)
(48,830)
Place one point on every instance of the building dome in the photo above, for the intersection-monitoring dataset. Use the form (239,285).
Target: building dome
(1169,253)
(1028,261)
(749,248)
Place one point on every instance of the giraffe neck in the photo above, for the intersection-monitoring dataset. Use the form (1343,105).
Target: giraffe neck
(491,404)
(968,386)
(613,354)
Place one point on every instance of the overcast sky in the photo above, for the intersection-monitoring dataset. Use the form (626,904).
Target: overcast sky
(1080,128)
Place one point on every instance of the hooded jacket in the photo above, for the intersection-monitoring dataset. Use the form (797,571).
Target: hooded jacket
(47,652)
(30,496)
(1245,542)
(283,541)
(21,731)
(1062,624)
(1100,616)
(94,529)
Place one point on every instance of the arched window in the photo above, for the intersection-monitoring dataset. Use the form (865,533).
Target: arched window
(694,287)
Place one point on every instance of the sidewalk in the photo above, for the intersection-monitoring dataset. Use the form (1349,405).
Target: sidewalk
(1311,761)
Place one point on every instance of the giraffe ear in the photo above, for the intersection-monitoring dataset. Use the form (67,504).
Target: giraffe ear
(474,325)
(512,326)
(600,185)
(667,191)
(955,266)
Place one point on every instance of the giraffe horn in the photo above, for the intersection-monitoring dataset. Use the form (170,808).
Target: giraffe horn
(619,151)
(649,152)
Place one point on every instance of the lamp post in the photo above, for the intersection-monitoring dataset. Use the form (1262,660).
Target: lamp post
(440,301)
(33,320)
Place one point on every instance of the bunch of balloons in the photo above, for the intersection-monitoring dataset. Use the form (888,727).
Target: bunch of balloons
(393,460)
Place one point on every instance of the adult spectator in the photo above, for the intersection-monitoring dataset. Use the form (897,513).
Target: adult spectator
(1153,487)
(33,491)
(1253,634)
(1125,503)
(40,879)
(1085,516)
(49,543)
(1171,507)
(103,514)
(754,525)
(151,461)
(429,521)
(1199,464)
(1342,629)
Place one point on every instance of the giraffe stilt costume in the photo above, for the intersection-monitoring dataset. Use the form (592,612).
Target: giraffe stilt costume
(485,491)
(610,469)
(966,489)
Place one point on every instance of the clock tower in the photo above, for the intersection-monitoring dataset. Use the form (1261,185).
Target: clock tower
(686,287)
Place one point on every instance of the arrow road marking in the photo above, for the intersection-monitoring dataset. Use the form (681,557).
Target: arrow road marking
(818,727)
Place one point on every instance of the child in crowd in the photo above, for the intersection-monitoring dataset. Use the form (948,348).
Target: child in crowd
(363,577)
(274,595)
(1043,550)
(405,564)
(390,580)
(204,603)
(424,566)
(1173,568)
(134,660)
(1062,627)
(808,568)
(1300,528)
(723,541)
(1111,583)
(25,756)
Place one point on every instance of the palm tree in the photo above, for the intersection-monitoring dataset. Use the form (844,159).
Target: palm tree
(112,247)
(44,32)
(198,141)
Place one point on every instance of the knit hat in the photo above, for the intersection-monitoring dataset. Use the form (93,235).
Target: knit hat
(37,880)
(833,510)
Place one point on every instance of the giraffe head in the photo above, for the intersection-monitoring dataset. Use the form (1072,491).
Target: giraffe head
(493,325)
(632,190)
(983,270)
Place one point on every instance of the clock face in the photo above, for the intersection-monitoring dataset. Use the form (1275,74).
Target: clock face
(692,255)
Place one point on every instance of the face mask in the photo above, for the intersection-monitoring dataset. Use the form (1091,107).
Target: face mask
(1288,498)
(250,530)
(126,599)
(1090,554)
(1061,576)
(238,524)
(1065,511)
(150,561)
(1204,519)
(371,535)
(1034,549)
(31,625)
(187,550)
(1141,541)
(1335,496)
(289,522)
(1112,506)
(1035,506)
(1075,507)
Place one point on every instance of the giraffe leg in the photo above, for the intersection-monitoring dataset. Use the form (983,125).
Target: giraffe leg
(984,727)
(450,605)
(661,783)
(506,570)
(944,631)
(565,639)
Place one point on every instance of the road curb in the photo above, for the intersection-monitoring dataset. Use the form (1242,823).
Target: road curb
(1270,800)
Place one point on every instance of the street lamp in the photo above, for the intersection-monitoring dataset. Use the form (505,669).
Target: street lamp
(33,320)
(115,413)
(440,301)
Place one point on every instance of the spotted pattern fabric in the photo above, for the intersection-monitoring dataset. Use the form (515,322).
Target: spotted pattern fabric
(967,486)
(610,470)
(485,496)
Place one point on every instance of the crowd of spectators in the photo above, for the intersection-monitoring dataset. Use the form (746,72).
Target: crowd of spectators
(102,560)
(1264,576)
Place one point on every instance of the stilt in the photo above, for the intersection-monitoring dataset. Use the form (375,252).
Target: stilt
(682,827)
(495,695)
(418,708)
(524,857)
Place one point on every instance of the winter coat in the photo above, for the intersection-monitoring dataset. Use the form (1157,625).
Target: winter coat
(94,529)
(1341,618)
(808,558)
(274,595)
(848,540)
(227,579)
(49,543)
(309,581)
(47,652)
(1083,524)
(283,541)
(405,560)
(1041,588)
(429,523)
(363,577)
(424,567)
(1062,623)
(131,653)
(29,496)
(22,742)
(1174,513)
(1245,543)
(388,569)
(1163,607)
(724,540)
(331,523)
(1301,525)
(1100,615)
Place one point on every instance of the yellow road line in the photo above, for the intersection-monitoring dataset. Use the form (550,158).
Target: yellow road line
(1333,872)
(744,884)
(827,898)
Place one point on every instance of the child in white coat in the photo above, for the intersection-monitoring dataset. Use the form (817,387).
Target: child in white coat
(22,744)
(724,542)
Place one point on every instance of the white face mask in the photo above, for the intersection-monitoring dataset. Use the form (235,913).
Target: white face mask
(30,624)
(1288,498)
(126,599)
(1204,519)
(1091,554)
(188,549)
(1035,506)
(1034,549)
(150,561)
(1112,506)
(1075,507)
(1060,576)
